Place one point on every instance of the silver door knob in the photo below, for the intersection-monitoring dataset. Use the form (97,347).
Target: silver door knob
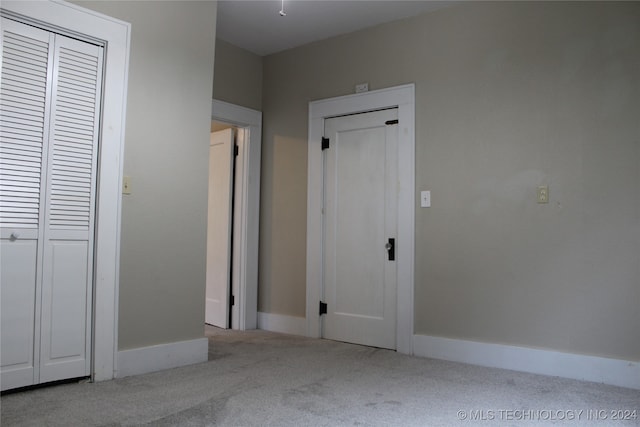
(14,236)
(388,246)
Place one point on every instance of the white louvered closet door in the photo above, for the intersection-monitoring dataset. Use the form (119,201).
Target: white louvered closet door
(49,103)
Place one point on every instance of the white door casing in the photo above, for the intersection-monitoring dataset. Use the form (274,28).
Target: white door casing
(359,222)
(219,228)
(84,24)
(247,207)
(403,98)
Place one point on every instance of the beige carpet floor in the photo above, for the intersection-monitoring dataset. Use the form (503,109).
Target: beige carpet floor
(258,378)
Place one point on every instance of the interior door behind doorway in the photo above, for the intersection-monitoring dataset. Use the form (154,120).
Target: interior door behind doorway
(360,224)
(219,228)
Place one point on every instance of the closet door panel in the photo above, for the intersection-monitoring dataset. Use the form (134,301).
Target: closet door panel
(70,206)
(17,311)
(25,94)
(24,123)
(65,310)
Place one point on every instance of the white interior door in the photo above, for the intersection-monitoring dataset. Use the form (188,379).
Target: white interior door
(359,221)
(24,127)
(67,273)
(219,228)
(238,261)
(50,97)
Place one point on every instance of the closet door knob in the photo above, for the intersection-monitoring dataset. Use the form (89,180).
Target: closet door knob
(14,236)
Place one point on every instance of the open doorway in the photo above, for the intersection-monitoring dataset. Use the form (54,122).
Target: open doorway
(233,223)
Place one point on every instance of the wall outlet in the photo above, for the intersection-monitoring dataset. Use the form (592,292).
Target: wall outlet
(543,194)
(362,87)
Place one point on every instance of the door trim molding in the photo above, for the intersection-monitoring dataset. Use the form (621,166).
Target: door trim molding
(248,166)
(117,35)
(402,97)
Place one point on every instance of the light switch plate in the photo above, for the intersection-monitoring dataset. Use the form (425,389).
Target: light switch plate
(425,199)
(126,185)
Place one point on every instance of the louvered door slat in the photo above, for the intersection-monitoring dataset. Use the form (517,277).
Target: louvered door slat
(26,102)
(73,123)
(19,79)
(17,148)
(14,66)
(78,74)
(76,110)
(68,80)
(73,139)
(18,181)
(70,88)
(24,119)
(20,87)
(26,43)
(7,108)
(70,152)
(72,100)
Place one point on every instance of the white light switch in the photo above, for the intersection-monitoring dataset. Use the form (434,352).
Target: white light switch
(126,185)
(425,199)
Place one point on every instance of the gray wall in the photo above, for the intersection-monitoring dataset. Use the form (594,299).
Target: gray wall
(509,96)
(238,76)
(163,246)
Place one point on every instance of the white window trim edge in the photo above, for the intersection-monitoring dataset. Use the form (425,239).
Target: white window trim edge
(404,98)
(117,35)
(249,169)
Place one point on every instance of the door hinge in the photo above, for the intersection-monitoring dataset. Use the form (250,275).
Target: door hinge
(391,122)
(391,249)
(235,150)
(232,300)
(325,143)
(323,308)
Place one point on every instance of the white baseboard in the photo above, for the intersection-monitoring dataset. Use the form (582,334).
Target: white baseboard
(623,373)
(164,356)
(284,324)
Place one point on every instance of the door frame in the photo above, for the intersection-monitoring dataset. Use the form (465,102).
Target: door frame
(247,199)
(402,97)
(86,24)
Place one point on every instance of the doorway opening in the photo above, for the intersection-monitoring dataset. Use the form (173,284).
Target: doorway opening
(233,223)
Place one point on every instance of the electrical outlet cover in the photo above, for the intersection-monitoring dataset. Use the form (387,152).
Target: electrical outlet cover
(543,194)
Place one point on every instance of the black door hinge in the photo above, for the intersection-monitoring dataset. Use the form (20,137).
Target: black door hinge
(325,143)
(235,150)
(323,308)
(232,300)
(391,249)
(391,122)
